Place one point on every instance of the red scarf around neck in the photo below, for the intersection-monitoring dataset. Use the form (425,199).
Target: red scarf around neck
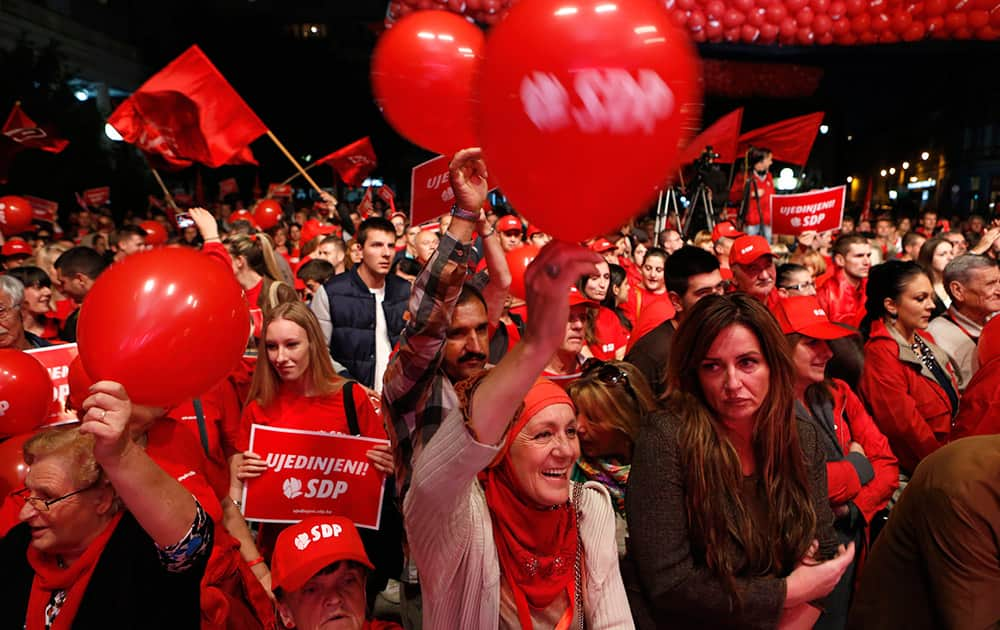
(49,577)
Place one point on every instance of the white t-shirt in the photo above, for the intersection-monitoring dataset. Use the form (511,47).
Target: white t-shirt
(382,346)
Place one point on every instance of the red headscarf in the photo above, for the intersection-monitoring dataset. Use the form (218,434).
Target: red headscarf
(537,548)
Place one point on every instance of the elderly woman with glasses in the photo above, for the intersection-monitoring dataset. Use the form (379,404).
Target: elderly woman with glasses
(611,399)
(107,538)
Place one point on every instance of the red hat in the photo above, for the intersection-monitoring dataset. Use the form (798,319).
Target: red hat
(989,341)
(314,228)
(16,247)
(508,223)
(576,298)
(725,229)
(534,229)
(803,314)
(601,245)
(312,544)
(747,249)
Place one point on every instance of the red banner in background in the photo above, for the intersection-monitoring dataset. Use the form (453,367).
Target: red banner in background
(354,162)
(23,130)
(430,191)
(816,210)
(720,135)
(43,209)
(279,190)
(790,140)
(56,360)
(97,196)
(311,473)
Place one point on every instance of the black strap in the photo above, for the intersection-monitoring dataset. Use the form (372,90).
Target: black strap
(349,410)
(199,413)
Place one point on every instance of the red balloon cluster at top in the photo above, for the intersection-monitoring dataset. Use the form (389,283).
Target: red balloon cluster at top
(788,22)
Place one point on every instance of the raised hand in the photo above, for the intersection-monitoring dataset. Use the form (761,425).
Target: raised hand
(547,281)
(467,174)
(106,414)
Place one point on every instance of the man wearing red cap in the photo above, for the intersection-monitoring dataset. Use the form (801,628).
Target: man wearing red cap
(15,252)
(537,237)
(318,574)
(753,268)
(511,232)
(843,294)
(723,235)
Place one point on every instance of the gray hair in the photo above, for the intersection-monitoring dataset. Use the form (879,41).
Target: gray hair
(961,267)
(13,288)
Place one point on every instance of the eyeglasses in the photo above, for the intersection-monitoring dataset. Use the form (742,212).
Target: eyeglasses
(43,505)
(608,374)
(799,287)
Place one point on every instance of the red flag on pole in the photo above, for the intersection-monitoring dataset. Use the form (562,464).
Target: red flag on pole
(789,140)
(187,113)
(25,132)
(722,136)
(354,162)
(43,209)
(366,206)
(387,195)
(95,197)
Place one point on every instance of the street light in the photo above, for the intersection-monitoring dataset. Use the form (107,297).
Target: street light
(925,155)
(892,170)
(849,179)
(112,133)
(824,129)
(906,165)
(81,95)
(883,172)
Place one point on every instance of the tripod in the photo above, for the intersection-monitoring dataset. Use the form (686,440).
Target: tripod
(701,199)
(667,205)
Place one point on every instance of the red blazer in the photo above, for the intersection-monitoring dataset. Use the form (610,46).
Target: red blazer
(910,408)
(842,302)
(980,410)
(853,424)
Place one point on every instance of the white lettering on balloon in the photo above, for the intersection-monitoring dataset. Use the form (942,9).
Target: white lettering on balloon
(611,100)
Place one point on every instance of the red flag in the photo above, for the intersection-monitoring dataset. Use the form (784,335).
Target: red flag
(155,203)
(189,112)
(279,190)
(387,195)
(721,135)
(365,207)
(95,197)
(43,209)
(25,132)
(789,140)
(354,162)
(228,187)
(430,191)
(866,209)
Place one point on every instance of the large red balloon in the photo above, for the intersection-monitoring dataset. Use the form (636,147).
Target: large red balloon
(593,97)
(155,234)
(12,466)
(15,214)
(79,384)
(25,392)
(518,260)
(267,213)
(167,324)
(423,71)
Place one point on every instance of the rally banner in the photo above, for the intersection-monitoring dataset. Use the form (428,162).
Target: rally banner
(56,360)
(43,209)
(430,191)
(312,473)
(279,190)
(96,197)
(816,210)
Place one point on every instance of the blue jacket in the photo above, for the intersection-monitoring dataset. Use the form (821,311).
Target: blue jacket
(352,315)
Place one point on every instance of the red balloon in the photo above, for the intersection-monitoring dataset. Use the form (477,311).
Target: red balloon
(868,37)
(757,17)
(749,33)
(914,32)
(788,27)
(425,62)
(715,9)
(861,23)
(825,39)
(15,214)
(155,234)
(12,466)
(841,27)
(805,36)
(680,17)
(743,6)
(776,13)
(955,20)
(166,324)
(794,6)
(820,6)
(25,392)
(837,9)
(855,7)
(267,213)
(696,20)
(569,86)
(847,39)
(935,7)
(518,260)
(987,33)
(822,24)
(805,16)
(733,18)
(979,18)
(880,22)
(901,21)
(713,31)
(935,26)
(687,5)
(995,18)
(768,33)
(888,37)
(79,384)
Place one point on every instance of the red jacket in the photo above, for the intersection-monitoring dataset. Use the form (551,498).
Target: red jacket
(842,302)
(765,188)
(907,404)
(980,410)
(853,424)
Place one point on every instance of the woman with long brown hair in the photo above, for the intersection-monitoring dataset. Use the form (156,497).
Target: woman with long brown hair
(727,509)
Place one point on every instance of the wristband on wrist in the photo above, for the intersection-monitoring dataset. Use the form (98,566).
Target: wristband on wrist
(491,232)
(255,561)
(462,213)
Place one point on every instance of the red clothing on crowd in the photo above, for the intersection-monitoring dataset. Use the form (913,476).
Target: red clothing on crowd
(64,308)
(910,408)
(979,413)
(765,188)
(639,299)
(853,424)
(610,333)
(632,272)
(826,275)
(843,303)
(652,316)
(313,413)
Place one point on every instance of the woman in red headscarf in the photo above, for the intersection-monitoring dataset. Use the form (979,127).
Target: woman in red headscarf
(501,536)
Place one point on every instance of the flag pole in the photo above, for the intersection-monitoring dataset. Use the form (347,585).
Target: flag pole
(166,193)
(296,174)
(295,162)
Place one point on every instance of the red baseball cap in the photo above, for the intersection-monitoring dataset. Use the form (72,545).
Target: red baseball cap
(803,314)
(601,245)
(747,249)
(534,229)
(305,548)
(577,297)
(725,229)
(508,223)
(314,228)
(16,247)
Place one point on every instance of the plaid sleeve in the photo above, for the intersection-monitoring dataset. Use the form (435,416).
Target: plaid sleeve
(412,381)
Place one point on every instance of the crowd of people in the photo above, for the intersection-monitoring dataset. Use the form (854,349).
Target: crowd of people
(731,430)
